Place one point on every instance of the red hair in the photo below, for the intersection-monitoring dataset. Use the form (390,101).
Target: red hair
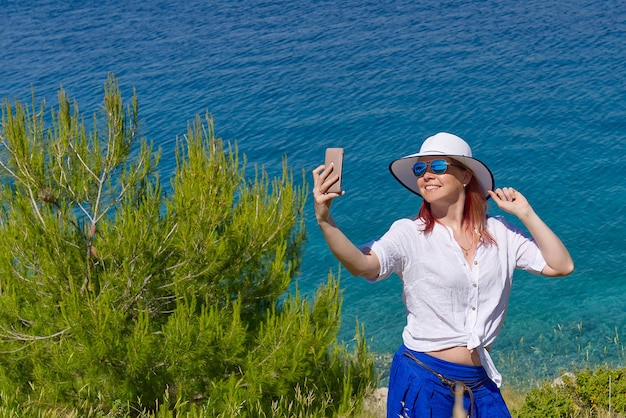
(474,213)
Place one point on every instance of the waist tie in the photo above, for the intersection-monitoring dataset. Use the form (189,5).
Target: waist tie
(457,388)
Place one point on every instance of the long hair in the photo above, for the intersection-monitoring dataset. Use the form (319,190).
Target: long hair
(474,213)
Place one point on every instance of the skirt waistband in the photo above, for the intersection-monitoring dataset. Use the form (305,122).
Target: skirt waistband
(473,377)
(454,371)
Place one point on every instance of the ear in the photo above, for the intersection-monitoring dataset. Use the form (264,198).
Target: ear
(467,176)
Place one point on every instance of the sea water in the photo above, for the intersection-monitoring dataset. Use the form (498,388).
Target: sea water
(538,88)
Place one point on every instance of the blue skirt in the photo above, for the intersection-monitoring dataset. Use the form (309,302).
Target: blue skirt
(415,390)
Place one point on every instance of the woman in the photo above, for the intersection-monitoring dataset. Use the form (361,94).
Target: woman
(456,265)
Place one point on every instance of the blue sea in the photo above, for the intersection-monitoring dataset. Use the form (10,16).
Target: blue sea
(538,88)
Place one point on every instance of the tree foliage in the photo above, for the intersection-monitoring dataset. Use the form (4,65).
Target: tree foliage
(587,393)
(118,296)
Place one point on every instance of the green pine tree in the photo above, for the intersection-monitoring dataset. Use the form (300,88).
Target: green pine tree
(120,299)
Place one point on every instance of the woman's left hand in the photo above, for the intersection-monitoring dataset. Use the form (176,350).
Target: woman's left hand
(510,200)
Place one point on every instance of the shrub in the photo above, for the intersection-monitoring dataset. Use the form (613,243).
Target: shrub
(117,297)
(547,401)
(587,393)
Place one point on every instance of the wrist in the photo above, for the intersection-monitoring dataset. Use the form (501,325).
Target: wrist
(529,217)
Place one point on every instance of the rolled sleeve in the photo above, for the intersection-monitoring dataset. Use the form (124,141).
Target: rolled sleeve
(391,249)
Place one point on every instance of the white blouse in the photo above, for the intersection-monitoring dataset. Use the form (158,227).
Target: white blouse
(449,303)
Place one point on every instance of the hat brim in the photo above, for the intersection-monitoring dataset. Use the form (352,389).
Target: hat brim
(402,170)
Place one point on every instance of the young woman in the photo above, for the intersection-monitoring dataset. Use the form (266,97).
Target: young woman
(456,265)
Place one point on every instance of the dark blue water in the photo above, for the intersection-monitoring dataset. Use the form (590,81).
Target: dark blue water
(537,87)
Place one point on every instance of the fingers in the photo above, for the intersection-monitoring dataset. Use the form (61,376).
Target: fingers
(507,194)
(322,180)
(512,201)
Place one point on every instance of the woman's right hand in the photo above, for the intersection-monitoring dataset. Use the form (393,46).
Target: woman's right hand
(323,178)
(357,262)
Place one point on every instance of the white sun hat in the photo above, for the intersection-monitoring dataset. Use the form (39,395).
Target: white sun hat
(442,145)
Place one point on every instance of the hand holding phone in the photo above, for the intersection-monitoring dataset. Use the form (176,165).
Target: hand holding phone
(334,156)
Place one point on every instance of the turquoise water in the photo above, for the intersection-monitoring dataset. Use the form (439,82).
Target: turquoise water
(537,87)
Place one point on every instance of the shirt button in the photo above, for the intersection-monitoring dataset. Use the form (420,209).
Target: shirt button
(475,262)
(473,308)
(474,285)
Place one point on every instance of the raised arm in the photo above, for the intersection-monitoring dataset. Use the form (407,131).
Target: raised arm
(559,262)
(358,263)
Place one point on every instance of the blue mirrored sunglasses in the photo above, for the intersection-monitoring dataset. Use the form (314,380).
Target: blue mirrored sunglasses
(436,167)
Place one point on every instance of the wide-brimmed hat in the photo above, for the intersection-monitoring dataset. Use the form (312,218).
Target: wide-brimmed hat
(442,145)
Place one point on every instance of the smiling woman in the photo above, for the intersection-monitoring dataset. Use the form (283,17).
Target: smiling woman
(444,256)
(434,179)
(451,148)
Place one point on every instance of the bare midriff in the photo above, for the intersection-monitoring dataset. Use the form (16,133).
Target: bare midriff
(459,355)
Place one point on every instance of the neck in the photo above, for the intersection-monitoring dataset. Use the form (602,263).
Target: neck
(449,215)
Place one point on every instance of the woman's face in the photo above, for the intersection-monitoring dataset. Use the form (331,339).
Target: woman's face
(448,186)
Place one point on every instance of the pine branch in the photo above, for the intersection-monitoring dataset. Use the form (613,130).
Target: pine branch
(9,335)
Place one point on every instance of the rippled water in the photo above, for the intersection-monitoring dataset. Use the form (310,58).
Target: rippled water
(537,87)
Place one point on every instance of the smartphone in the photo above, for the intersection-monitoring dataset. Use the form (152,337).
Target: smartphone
(335,156)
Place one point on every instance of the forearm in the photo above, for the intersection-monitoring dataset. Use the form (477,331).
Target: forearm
(351,257)
(559,262)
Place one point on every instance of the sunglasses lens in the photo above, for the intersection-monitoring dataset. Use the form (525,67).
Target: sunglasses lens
(419,169)
(439,166)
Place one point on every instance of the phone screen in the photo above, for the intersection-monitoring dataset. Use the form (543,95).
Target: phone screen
(335,156)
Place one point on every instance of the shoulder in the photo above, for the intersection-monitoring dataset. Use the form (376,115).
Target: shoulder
(501,227)
(403,230)
(496,222)
(500,223)
(406,224)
